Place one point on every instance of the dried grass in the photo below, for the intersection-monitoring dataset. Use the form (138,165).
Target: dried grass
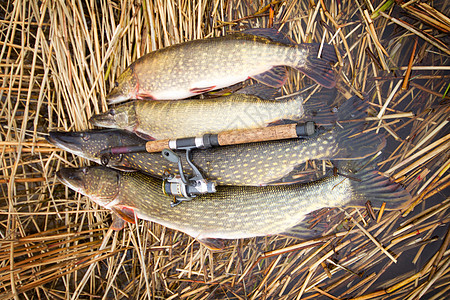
(58,60)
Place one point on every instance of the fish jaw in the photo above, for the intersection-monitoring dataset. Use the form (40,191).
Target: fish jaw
(103,120)
(68,141)
(75,179)
(122,93)
(89,144)
(99,183)
(123,117)
(116,97)
(71,179)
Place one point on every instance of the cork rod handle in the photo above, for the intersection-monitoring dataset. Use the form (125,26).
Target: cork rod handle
(157,146)
(234,137)
(257,135)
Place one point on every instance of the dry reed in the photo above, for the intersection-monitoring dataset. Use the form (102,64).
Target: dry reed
(58,60)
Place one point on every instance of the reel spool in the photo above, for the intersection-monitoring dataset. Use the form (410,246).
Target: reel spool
(180,187)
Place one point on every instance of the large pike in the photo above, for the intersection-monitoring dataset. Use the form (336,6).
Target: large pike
(232,212)
(247,164)
(194,67)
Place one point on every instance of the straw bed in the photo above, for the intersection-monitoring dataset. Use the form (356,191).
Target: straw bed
(59,59)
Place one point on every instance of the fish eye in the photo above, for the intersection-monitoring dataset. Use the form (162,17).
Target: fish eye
(85,171)
(85,137)
(112,112)
(116,83)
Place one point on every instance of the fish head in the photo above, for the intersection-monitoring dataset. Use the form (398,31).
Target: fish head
(122,116)
(99,183)
(125,88)
(88,144)
(72,142)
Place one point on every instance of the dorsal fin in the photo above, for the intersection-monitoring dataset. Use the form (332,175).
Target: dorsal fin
(271,34)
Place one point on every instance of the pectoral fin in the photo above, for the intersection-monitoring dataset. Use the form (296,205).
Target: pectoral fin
(144,136)
(117,222)
(124,212)
(202,90)
(212,244)
(145,96)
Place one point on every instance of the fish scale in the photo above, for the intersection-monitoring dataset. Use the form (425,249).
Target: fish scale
(234,211)
(194,67)
(183,68)
(178,119)
(246,164)
(254,209)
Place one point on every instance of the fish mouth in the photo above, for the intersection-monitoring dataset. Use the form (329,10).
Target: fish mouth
(71,178)
(117,96)
(67,141)
(114,98)
(102,120)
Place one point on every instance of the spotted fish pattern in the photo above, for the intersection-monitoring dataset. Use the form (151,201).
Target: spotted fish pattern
(194,67)
(178,119)
(232,212)
(246,164)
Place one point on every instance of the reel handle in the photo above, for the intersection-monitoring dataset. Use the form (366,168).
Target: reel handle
(234,137)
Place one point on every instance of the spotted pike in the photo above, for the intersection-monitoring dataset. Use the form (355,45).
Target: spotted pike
(247,164)
(232,212)
(177,119)
(194,67)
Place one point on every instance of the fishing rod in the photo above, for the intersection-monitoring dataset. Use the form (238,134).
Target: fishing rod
(185,189)
(225,138)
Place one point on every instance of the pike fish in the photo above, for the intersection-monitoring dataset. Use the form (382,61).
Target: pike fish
(251,164)
(194,67)
(232,212)
(178,119)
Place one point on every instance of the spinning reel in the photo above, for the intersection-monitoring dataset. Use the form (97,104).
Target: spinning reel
(180,187)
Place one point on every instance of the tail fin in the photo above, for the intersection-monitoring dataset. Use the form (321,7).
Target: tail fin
(317,108)
(351,142)
(352,109)
(366,185)
(318,69)
(369,185)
